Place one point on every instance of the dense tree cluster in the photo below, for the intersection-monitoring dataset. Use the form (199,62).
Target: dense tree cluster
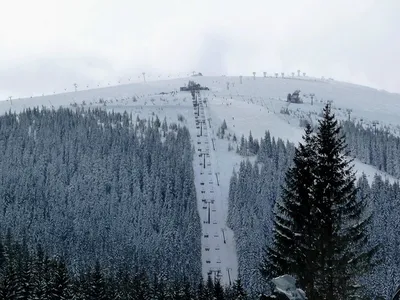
(33,275)
(385,203)
(96,186)
(376,147)
(255,189)
(248,147)
(252,194)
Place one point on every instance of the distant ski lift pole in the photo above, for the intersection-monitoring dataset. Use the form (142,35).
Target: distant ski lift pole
(209,213)
(229,275)
(216,175)
(223,234)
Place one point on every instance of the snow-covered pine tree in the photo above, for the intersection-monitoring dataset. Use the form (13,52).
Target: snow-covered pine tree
(218,291)
(250,144)
(96,289)
(209,289)
(343,218)
(201,291)
(61,287)
(238,292)
(321,226)
(293,250)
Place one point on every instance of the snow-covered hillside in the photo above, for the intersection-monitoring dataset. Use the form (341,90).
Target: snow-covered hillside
(254,105)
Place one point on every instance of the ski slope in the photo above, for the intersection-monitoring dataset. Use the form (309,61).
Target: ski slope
(254,105)
(218,246)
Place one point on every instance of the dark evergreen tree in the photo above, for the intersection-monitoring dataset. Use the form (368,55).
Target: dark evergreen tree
(234,138)
(243,146)
(157,123)
(209,289)
(218,290)
(60,283)
(342,233)
(186,291)
(40,272)
(251,144)
(96,285)
(11,287)
(293,250)
(238,292)
(223,128)
(322,231)
(25,275)
(201,291)
(141,287)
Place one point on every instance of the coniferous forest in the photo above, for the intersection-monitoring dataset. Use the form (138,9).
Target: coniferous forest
(100,205)
(255,215)
(91,186)
(26,275)
(376,147)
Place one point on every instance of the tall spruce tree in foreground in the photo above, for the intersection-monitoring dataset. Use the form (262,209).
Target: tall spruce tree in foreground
(344,218)
(293,248)
(321,234)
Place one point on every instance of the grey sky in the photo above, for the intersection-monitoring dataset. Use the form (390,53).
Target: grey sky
(47,45)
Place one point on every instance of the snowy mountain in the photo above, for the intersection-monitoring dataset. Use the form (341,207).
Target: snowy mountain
(247,104)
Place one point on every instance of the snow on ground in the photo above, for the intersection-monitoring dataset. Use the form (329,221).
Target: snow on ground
(218,246)
(370,172)
(242,117)
(255,105)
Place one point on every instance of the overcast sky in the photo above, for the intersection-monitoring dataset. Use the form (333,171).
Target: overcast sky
(47,45)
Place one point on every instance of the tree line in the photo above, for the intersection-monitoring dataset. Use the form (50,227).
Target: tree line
(91,185)
(376,147)
(33,274)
